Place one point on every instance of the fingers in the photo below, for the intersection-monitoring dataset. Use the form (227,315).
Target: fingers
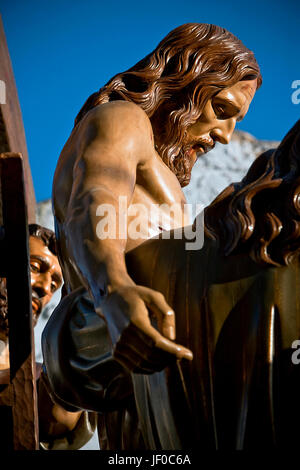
(166,323)
(164,313)
(173,348)
(147,348)
(163,343)
(137,352)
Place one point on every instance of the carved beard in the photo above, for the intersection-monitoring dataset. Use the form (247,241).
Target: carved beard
(174,144)
(182,167)
(3,309)
(184,161)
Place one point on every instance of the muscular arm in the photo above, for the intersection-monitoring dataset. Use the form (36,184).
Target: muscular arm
(114,140)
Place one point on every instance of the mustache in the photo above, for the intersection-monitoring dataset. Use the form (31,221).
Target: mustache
(206,143)
(183,165)
(37,300)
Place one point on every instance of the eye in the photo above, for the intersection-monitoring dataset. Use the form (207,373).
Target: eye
(34,267)
(224,110)
(53,286)
(219,110)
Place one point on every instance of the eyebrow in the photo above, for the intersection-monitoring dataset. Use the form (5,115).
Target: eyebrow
(229,101)
(232,103)
(249,89)
(40,258)
(55,276)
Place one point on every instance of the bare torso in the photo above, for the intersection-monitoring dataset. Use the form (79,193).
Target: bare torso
(155,185)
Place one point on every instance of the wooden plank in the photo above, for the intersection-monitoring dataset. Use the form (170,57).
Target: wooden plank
(21,339)
(12,134)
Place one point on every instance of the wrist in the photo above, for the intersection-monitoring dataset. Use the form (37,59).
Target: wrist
(120,282)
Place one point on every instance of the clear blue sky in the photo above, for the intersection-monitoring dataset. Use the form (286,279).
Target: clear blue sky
(64,50)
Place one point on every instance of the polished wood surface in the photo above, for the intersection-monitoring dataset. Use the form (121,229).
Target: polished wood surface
(12,134)
(14,246)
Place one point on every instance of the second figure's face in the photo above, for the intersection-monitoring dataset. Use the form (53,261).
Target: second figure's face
(46,276)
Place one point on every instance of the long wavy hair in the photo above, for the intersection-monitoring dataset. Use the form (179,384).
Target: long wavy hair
(174,82)
(261,214)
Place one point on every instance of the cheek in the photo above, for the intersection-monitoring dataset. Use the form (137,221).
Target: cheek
(47,298)
(44,301)
(200,128)
(205,123)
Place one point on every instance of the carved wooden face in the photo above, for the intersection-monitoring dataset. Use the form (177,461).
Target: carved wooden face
(219,117)
(46,276)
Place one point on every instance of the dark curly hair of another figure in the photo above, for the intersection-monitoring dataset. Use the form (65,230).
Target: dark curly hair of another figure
(261,214)
(46,235)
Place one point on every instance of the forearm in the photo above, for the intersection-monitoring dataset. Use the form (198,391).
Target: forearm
(98,256)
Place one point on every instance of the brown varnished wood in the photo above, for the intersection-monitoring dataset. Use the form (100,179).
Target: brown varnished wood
(12,134)
(22,358)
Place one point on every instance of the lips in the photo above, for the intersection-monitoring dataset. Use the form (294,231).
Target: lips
(204,146)
(36,303)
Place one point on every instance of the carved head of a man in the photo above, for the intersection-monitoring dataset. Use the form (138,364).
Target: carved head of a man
(216,78)
(45,271)
(194,87)
(46,276)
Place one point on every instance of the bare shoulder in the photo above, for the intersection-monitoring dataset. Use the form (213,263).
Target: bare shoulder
(119,107)
(118,117)
(117,128)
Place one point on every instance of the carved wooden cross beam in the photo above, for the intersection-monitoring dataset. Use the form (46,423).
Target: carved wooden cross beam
(15,260)
(18,209)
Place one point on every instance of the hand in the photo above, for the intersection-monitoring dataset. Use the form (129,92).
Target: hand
(139,346)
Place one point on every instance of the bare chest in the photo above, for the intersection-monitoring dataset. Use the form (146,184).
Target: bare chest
(158,203)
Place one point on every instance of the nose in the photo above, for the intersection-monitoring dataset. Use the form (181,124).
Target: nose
(42,284)
(223,131)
